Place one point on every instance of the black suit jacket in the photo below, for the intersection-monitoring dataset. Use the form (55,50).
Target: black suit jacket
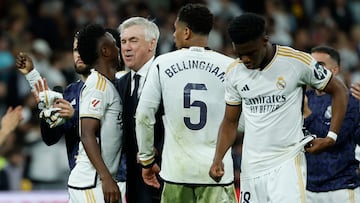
(133,170)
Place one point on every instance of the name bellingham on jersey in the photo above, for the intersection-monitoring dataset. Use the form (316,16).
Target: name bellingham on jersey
(195,64)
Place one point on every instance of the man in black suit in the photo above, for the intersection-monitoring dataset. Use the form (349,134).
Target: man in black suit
(139,38)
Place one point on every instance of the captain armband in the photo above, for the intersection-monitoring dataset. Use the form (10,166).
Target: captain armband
(332,135)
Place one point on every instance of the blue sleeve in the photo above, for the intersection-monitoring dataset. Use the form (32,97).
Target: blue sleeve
(50,135)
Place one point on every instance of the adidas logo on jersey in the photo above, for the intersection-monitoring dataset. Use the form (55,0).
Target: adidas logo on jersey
(245,88)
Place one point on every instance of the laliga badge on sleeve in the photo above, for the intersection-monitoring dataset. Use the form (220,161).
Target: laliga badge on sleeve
(95,105)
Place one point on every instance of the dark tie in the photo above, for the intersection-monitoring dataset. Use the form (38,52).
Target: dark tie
(135,92)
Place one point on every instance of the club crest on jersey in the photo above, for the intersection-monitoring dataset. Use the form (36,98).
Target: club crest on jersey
(95,104)
(328,113)
(320,72)
(281,83)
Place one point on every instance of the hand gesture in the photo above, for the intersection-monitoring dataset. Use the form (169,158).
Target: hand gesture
(216,171)
(149,175)
(355,90)
(66,110)
(11,119)
(24,63)
(110,189)
(44,96)
(319,145)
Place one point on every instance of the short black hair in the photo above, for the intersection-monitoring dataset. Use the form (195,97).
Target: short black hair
(333,53)
(246,27)
(88,39)
(197,17)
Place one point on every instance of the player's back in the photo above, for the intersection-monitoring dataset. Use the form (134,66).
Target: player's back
(192,88)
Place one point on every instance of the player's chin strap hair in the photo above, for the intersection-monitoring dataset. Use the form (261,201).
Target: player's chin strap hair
(332,135)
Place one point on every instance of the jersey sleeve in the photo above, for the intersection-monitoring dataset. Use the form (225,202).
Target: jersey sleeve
(145,115)
(315,75)
(232,96)
(92,102)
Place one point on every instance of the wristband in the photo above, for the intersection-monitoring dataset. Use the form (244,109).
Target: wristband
(332,135)
(32,77)
(148,164)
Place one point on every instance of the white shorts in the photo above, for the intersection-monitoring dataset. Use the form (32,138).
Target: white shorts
(284,184)
(122,188)
(89,195)
(336,196)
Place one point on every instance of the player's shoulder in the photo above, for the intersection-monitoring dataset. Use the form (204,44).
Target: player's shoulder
(235,64)
(96,81)
(166,56)
(220,56)
(292,54)
(74,85)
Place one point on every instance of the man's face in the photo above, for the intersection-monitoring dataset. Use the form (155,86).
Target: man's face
(179,34)
(80,67)
(251,53)
(325,60)
(135,50)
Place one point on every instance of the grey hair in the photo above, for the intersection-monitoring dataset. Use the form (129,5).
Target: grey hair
(151,30)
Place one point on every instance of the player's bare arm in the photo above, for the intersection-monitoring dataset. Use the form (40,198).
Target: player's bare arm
(89,128)
(226,138)
(307,110)
(340,97)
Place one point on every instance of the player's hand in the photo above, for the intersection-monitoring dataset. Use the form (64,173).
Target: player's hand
(24,63)
(319,145)
(11,119)
(149,175)
(110,190)
(355,90)
(40,86)
(216,171)
(66,110)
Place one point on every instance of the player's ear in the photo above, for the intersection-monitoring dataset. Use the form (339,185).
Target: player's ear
(187,33)
(105,50)
(152,45)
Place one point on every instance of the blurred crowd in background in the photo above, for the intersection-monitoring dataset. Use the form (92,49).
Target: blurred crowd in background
(45,29)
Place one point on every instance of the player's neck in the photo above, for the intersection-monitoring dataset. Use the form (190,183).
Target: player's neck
(269,55)
(106,69)
(198,41)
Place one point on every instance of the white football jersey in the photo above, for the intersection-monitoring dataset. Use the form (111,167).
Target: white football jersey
(271,103)
(100,100)
(191,84)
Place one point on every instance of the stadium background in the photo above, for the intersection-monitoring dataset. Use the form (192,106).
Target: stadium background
(45,29)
